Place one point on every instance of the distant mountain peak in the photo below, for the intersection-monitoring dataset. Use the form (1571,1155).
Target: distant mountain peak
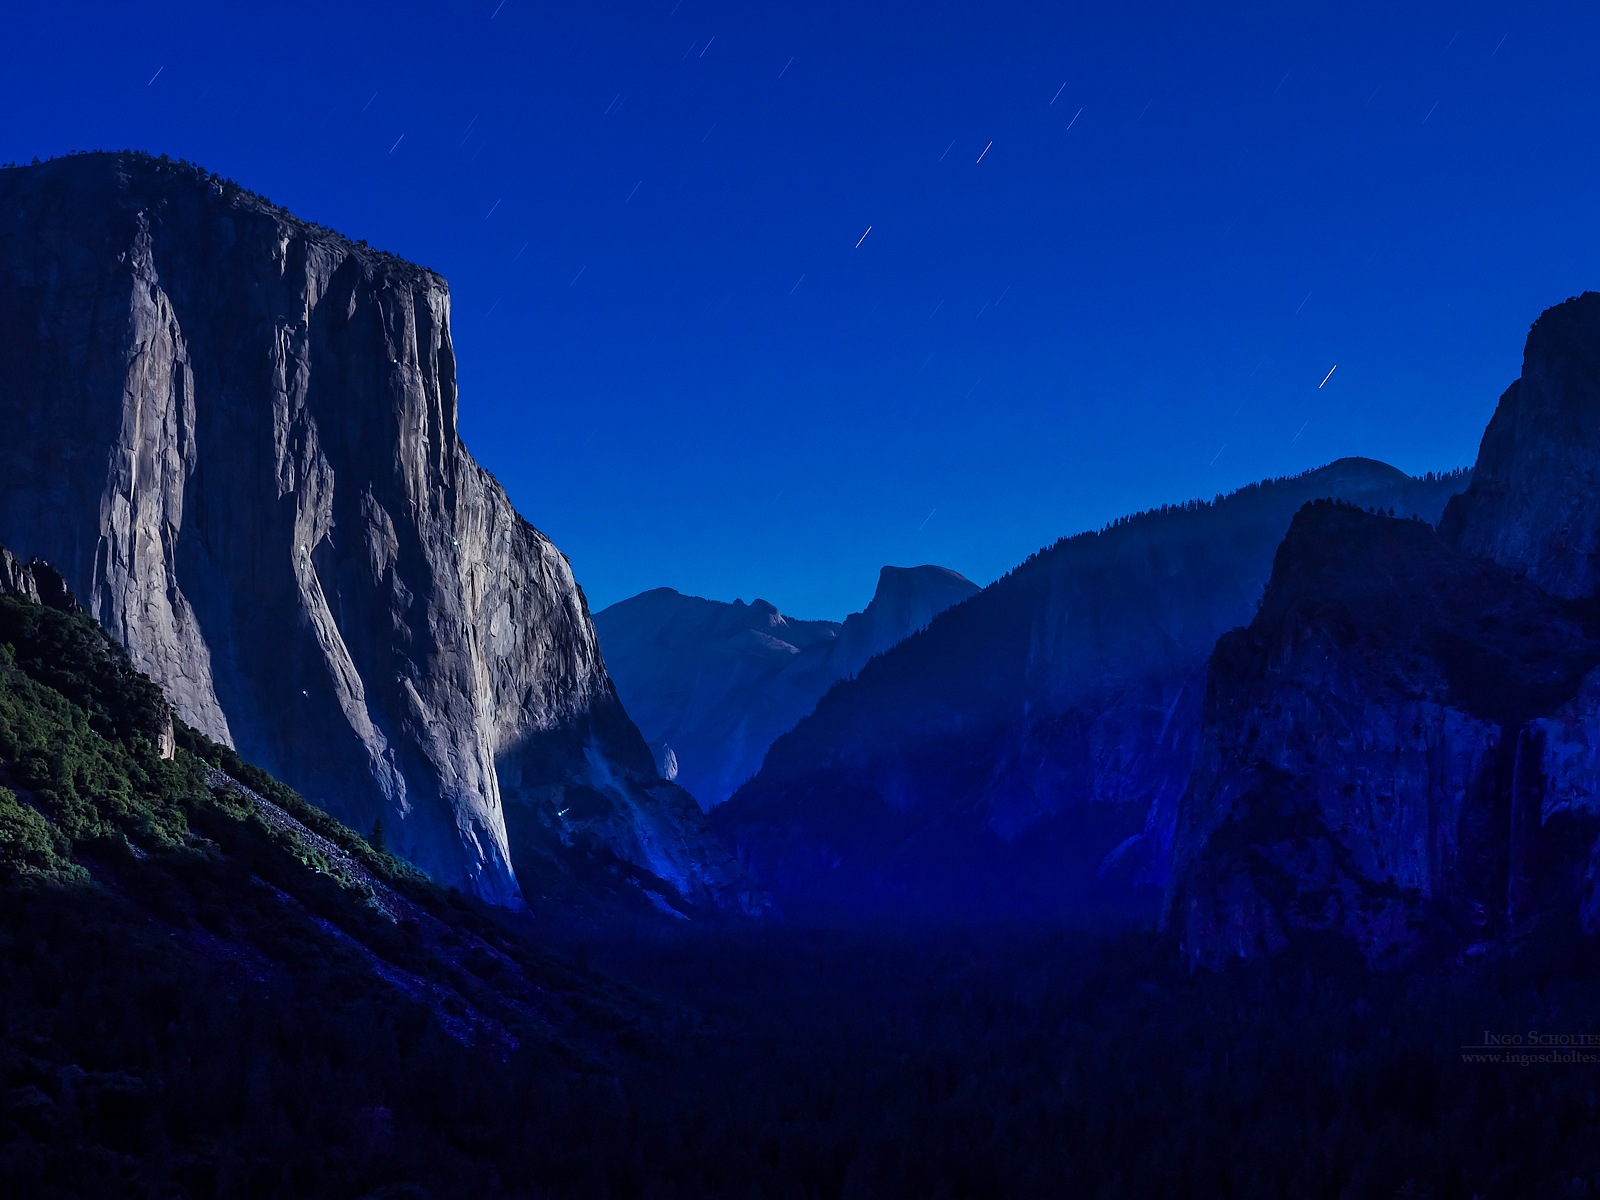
(1357,467)
(717,682)
(893,580)
(906,600)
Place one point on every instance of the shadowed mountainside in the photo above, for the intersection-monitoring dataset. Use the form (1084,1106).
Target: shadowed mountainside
(1401,749)
(1027,750)
(1532,504)
(712,685)
(1372,750)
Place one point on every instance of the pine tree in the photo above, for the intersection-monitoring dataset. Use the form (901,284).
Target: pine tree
(378,839)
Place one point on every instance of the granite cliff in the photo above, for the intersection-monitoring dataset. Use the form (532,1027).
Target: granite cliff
(1401,748)
(1532,502)
(712,685)
(234,433)
(1027,750)
(1373,762)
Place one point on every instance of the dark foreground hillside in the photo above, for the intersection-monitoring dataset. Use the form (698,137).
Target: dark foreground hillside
(1036,1062)
(209,989)
(207,986)
(807,1064)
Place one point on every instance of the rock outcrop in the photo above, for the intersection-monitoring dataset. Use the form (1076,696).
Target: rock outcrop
(906,601)
(235,434)
(1401,748)
(1377,751)
(713,684)
(1028,749)
(1532,502)
(35,581)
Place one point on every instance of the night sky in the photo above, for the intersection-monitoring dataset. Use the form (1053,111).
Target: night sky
(1113,249)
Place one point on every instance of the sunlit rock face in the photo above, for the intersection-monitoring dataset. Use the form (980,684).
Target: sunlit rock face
(1382,750)
(1028,749)
(714,684)
(1532,504)
(235,434)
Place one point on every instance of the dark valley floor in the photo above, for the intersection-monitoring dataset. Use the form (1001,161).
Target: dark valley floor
(796,1063)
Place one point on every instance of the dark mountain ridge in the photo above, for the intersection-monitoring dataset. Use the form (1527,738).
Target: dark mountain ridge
(1029,746)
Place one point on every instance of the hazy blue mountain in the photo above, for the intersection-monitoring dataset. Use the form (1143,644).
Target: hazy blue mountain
(1027,750)
(711,684)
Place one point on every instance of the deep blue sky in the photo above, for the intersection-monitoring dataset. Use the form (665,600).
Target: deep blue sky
(684,369)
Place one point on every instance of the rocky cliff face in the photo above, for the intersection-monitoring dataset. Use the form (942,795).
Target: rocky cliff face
(712,684)
(1532,504)
(1401,748)
(905,601)
(235,434)
(1029,747)
(35,581)
(1382,749)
